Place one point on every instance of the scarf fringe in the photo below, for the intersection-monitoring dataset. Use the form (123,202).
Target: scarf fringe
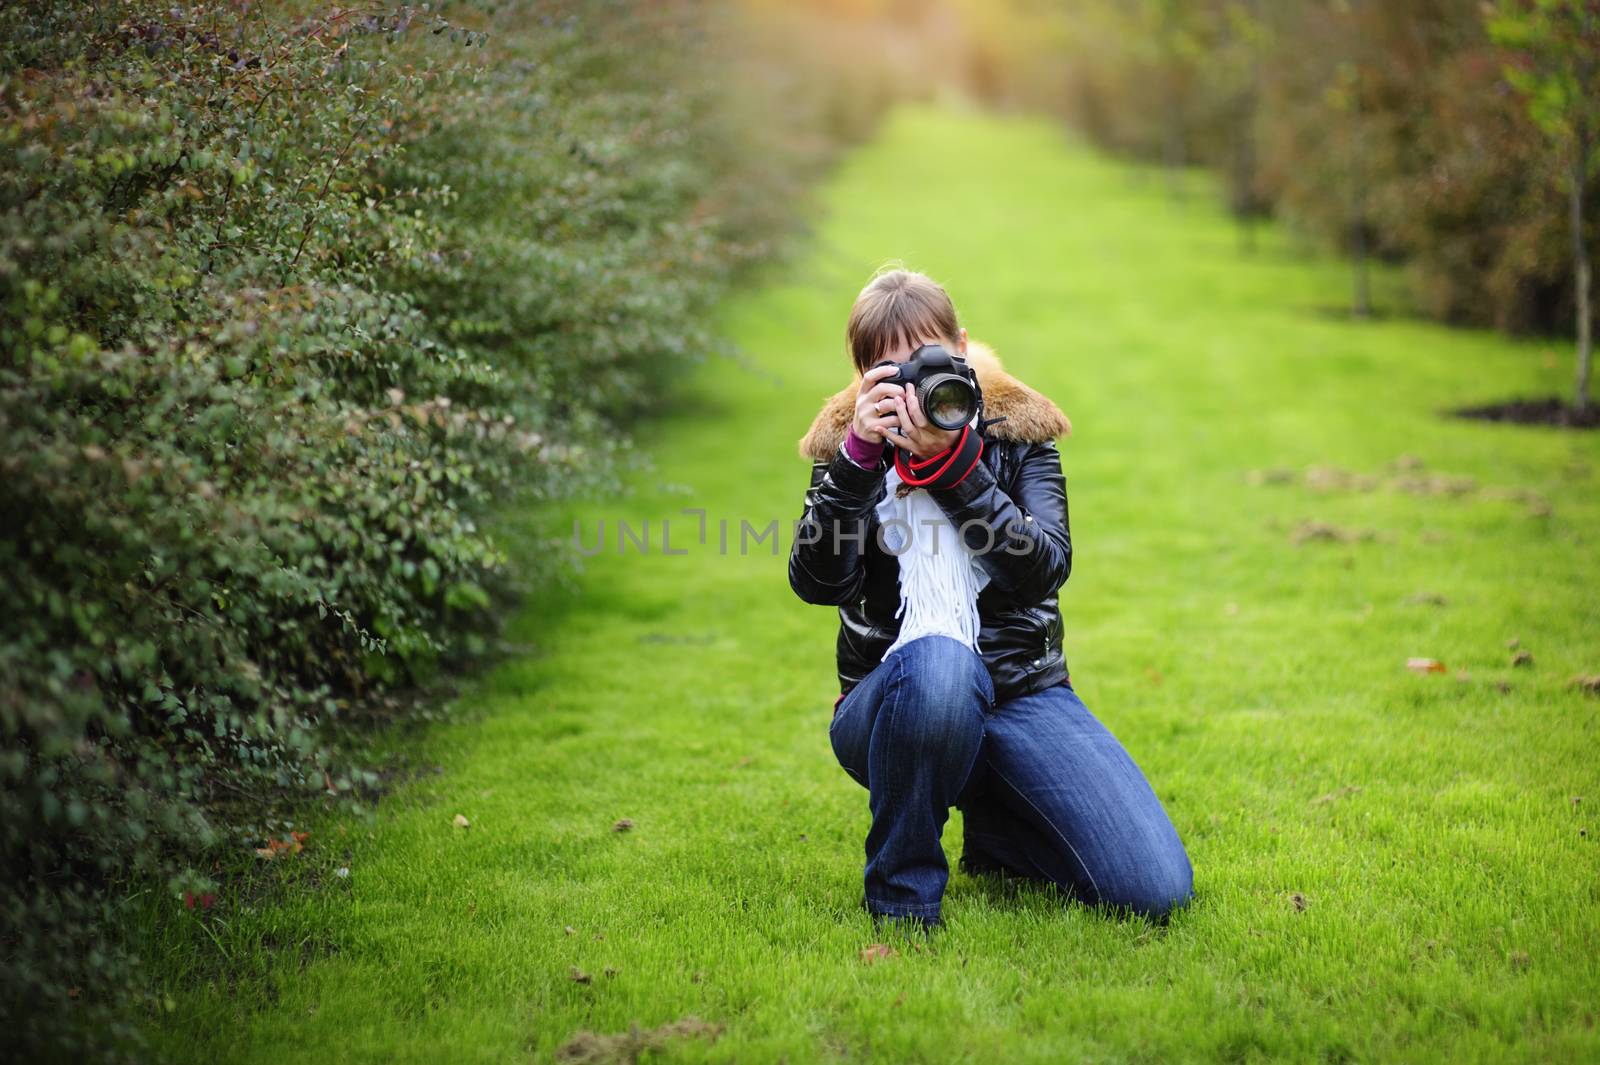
(939,582)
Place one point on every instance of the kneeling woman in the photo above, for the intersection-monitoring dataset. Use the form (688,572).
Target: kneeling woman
(944,550)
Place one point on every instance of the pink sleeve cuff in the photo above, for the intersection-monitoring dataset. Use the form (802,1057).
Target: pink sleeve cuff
(863,453)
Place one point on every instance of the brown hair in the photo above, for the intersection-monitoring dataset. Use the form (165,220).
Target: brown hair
(897,305)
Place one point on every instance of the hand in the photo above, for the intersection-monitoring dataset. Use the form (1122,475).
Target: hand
(921,437)
(874,412)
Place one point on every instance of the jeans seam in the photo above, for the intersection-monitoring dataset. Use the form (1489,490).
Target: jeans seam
(1052,826)
(895,686)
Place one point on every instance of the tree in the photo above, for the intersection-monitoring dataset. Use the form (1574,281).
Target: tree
(1239,39)
(1554,53)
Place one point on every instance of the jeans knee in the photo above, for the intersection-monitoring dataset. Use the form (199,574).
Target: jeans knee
(943,670)
(1161,893)
(939,697)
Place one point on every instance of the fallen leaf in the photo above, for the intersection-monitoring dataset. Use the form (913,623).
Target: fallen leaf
(877,951)
(462,822)
(1589,682)
(622,825)
(1298,900)
(571,931)
(1519,959)
(1522,658)
(579,976)
(612,970)
(289,845)
(1511,644)
(1425,665)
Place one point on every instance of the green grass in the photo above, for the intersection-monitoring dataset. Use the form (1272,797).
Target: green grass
(1451,898)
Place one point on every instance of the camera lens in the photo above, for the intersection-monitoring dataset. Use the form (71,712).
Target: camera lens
(948,402)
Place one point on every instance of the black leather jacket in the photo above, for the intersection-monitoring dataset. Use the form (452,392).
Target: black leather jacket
(1015,499)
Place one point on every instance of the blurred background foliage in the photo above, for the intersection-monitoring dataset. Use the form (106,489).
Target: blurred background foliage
(1455,136)
(296,299)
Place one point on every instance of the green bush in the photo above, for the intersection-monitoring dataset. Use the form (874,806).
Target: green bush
(292,302)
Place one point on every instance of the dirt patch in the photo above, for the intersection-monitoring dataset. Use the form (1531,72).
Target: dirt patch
(1406,473)
(1321,530)
(1548,410)
(1348,789)
(593,1048)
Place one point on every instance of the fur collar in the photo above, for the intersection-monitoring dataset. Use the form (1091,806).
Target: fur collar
(1030,417)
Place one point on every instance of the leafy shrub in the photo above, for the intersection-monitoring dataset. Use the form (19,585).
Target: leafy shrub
(292,302)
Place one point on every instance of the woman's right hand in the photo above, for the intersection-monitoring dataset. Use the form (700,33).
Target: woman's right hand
(870,423)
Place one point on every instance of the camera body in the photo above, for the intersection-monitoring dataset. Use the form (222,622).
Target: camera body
(946,386)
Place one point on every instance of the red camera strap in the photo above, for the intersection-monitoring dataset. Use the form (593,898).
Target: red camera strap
(946,469)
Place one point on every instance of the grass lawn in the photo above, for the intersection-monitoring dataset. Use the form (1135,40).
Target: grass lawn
(1269,517)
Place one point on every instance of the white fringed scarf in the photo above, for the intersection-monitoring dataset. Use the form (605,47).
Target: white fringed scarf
(939,577)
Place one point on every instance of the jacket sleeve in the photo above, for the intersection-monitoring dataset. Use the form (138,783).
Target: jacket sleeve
(1022,539)
(826,562)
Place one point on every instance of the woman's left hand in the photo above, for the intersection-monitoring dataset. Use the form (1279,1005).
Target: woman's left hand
(916,433)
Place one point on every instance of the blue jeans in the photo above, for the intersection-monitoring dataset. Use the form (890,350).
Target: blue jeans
(1045,790)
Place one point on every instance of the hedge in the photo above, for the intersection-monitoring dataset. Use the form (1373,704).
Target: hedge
(295,299)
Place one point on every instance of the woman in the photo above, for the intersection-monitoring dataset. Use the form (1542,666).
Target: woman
(953,685)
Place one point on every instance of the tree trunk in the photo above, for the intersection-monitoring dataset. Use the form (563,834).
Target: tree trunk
(1581,270)
(1357,220)
(1362,305)
(1173,136)
(1243,176)
(1172,153)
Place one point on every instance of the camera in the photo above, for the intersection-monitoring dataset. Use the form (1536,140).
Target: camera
(946,386)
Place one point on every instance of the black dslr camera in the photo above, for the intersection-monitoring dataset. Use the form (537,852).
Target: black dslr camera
(946,386)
